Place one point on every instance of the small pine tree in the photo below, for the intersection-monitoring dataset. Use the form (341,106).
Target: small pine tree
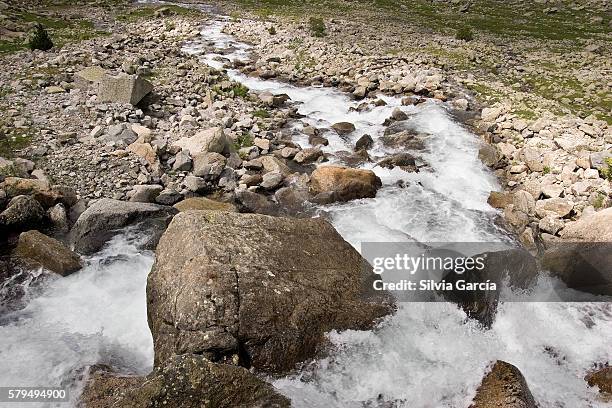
(40,40)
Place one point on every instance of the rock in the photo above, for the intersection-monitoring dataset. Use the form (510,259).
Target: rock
(398,114)
(146,193)
(100,222)
(316,140)
(121,133)
(289,152)
(195,184)
(168,196)
(560,206)
(504,386)
(40,190)
(256,203)
(58,217)
(209,165)
(272,180)
(532,158)
(23,212)
(344,183)
(489,155)
(203,203)
(209,140)
(89,78)
(187,381)
(264,288)
(406,139)
(365,142)
(54,90)
(405,161)
(123,89)
(592,228)
(309,155)
(490,114)
(144,150)
(601,379)
(343,128)
(51,254)
(499,199)
(271,163)
(598,160)
(182,161)
(551,224)
(523,201)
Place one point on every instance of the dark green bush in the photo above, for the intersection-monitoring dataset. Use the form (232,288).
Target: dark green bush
(40,39)
(272,30)
(317,26)
(465,34)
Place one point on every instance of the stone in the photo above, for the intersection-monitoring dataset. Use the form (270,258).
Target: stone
(309,155)
(186,381)
(504,386)
(551,190)
(58,217)
(490,114)
(404,161)
(256,203)
(195,184)
(598,159)
(601,379)
(289,152)
(144,150)
(209,165)
(121,133)
(123,89)
(168,196)
(398,114)
(343,128)
(317,140)
(209,140)
(499,199)
(55,90)
(101,221)
(263,144)
(489,155)
(560,206)
(523,201)
(271,163)
(266,288)
(204,204)
(89,78)
(596,227)
(146,193)
(532,158)
(40,189)
(182,161)
(364,142)
(23,212)
(48,252)
(551,224)
(272,180)
(343,183)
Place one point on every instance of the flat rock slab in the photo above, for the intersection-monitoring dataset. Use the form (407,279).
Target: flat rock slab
(257,290)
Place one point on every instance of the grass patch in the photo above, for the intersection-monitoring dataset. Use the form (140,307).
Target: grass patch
(146,12)
(261,113)
(317,27)
(464,34)
(243,140)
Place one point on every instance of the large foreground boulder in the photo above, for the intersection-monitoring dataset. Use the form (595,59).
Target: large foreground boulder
(344,184)
(596,227)
(256,290)
(100,222)
(123,89)
(48,252)
(504,386)
(187,381)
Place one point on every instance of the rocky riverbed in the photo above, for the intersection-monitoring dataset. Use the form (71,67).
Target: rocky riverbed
(181,121)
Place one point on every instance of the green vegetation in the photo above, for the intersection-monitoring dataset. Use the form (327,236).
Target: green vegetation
(146,12)
(546,170)
(16,140)
(272,30)
(465,34)
(598,202)
(244,140)
(261,113)
(239,91)
(40,39)
(317,26)
(607,171)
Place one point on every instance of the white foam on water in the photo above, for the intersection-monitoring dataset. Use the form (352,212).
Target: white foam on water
(96,315)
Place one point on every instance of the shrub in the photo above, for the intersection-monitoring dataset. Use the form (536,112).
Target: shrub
(317,26)
(240,90)
(261,113)
(606,172)
(243,140)
(546,170)
(465,34)
(272,30)
(40,40)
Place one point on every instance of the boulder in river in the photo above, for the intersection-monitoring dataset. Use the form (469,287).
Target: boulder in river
(100,222)
(344,184)
(601,379)
(364,142)
(48,252)
(504,386)
(259,290)
(404,161)
(186,381)
(343,128)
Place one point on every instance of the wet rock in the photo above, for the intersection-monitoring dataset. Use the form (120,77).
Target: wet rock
(22,212)
(343,128)
(100,222)
(398,114)
(274,298)
(504,386)
(365,142)
(145,193)
(318,140)
(601,379)
(489,155)
(209,140)
(123,89)
(345,183)
(203,203)
(499,199)
(406,139)
(187,381)
(49,253)
(405,161)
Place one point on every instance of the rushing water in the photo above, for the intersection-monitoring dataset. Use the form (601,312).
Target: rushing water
(426,355)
